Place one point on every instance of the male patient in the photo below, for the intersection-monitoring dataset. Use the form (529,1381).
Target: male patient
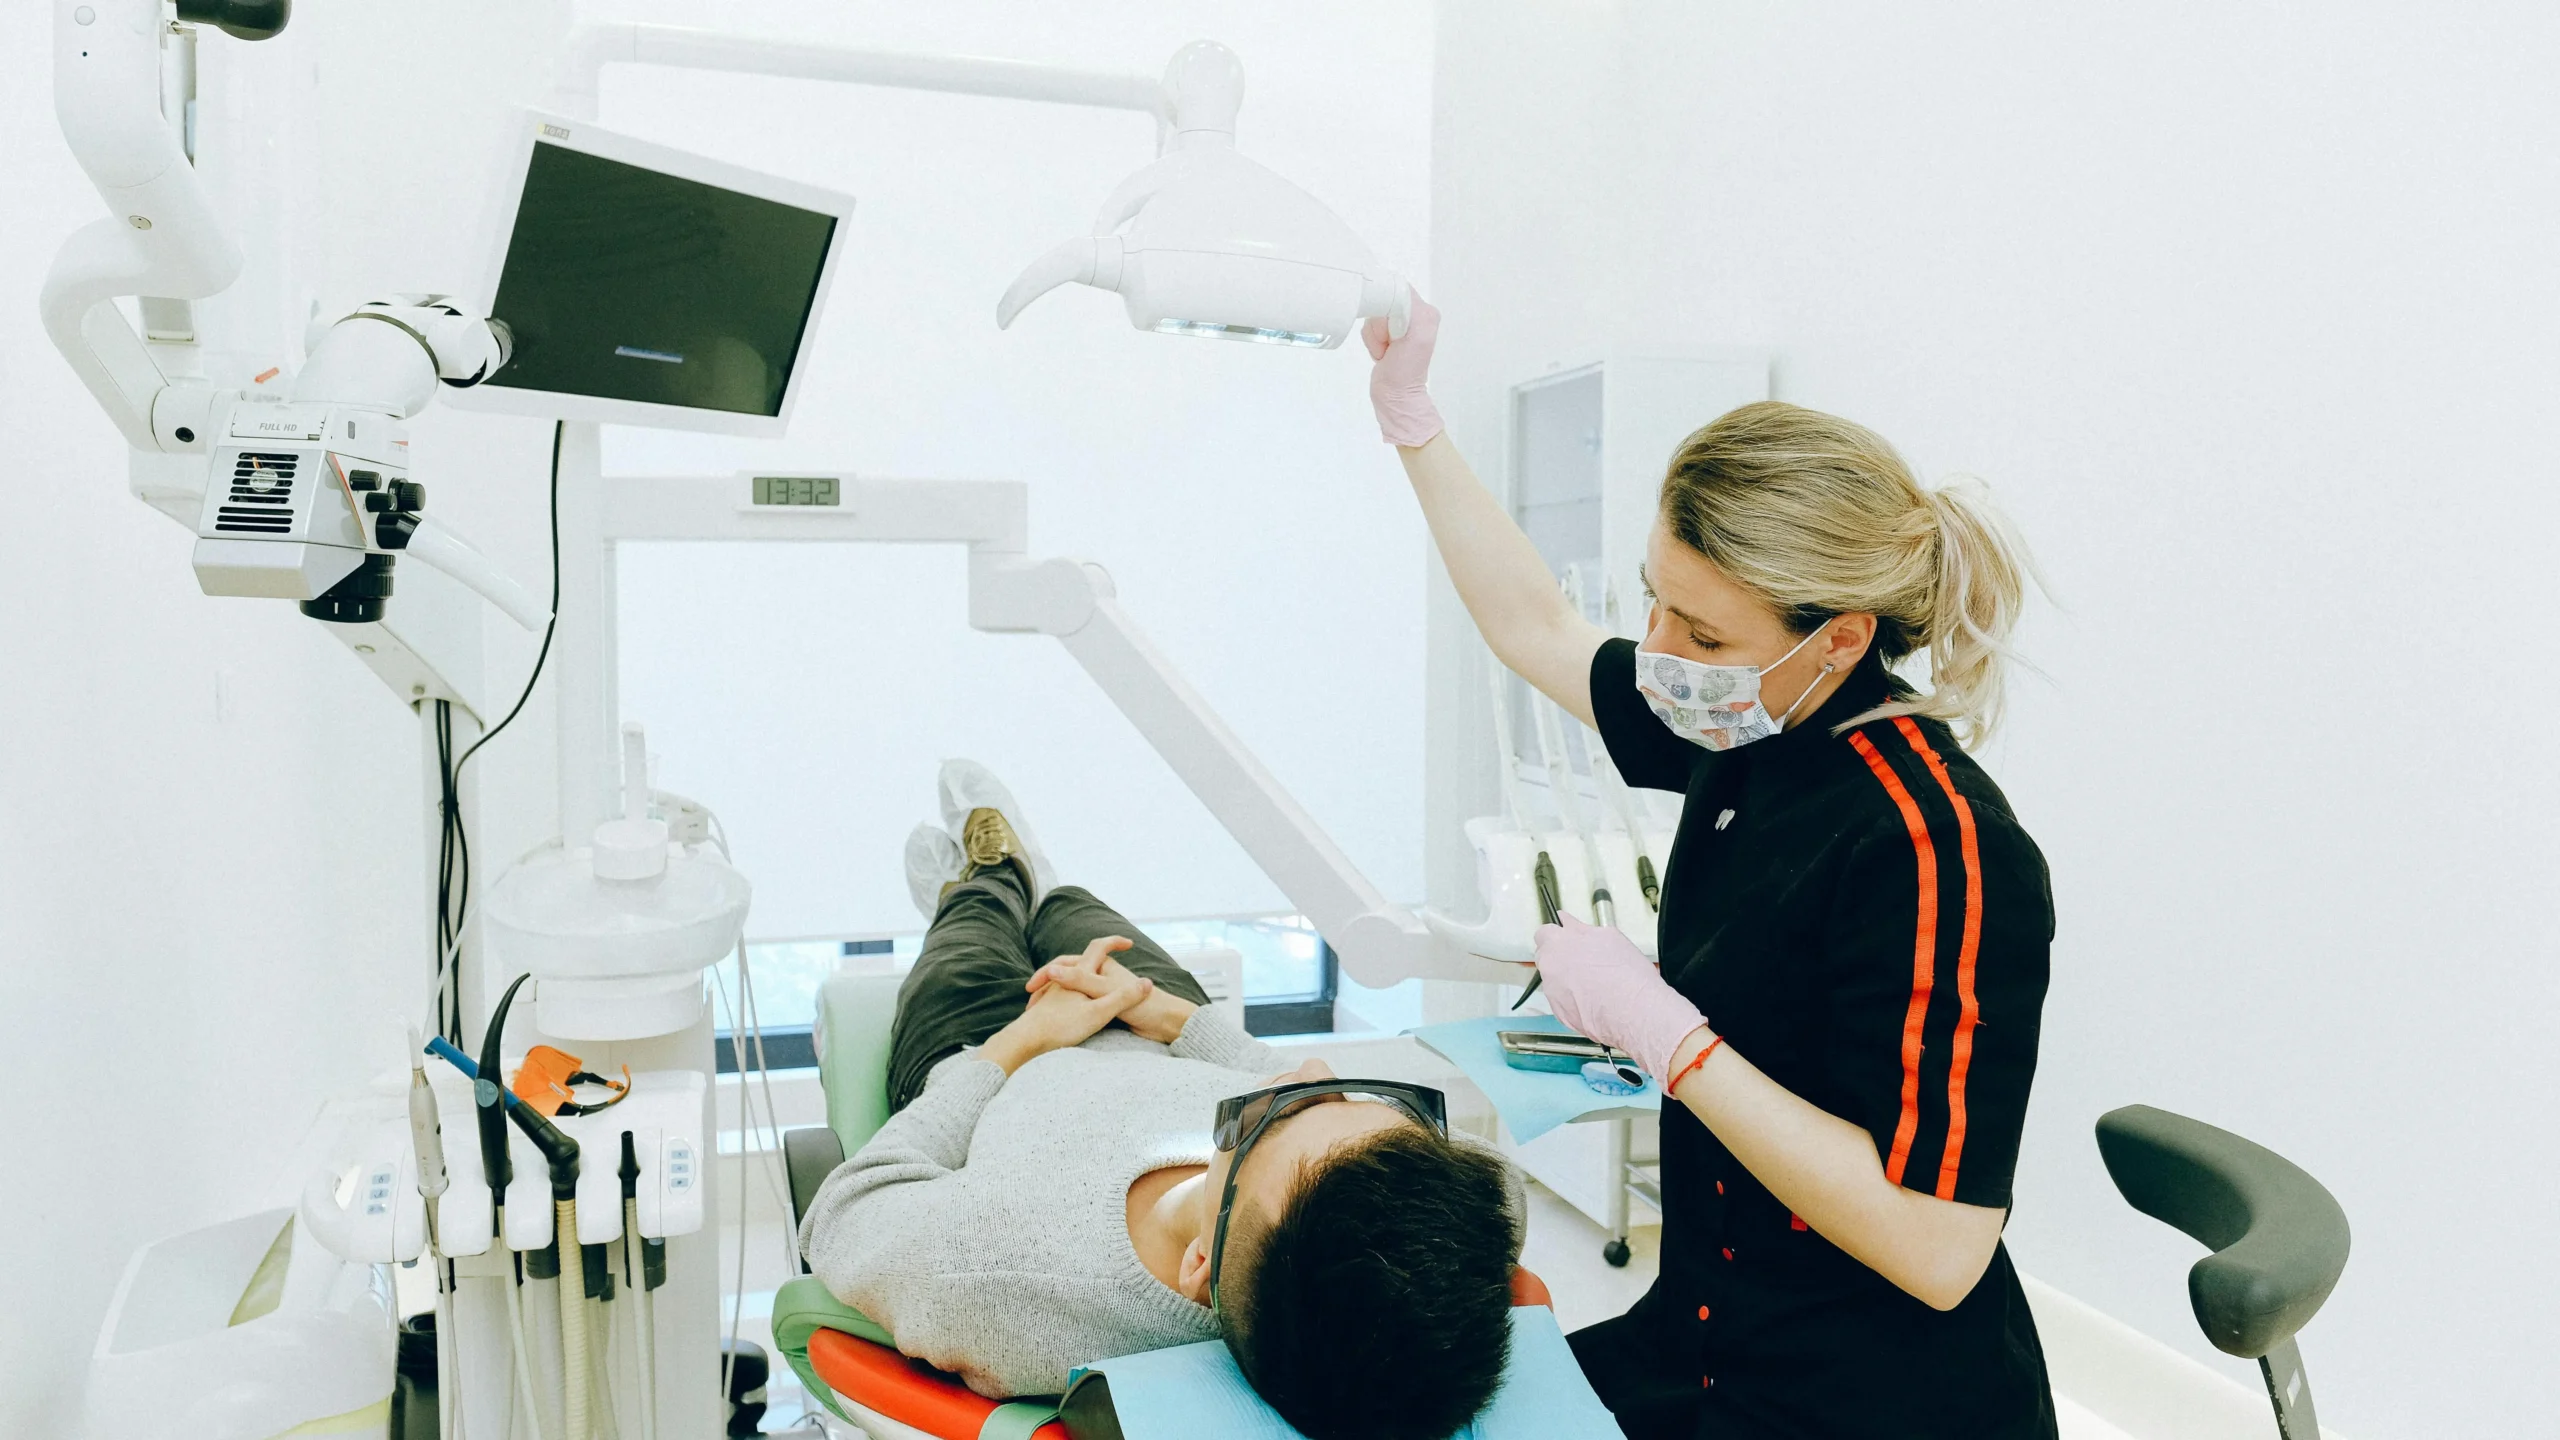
(1046,1193)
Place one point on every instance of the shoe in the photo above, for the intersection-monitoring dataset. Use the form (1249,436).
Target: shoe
(967,788)
(986,841)
(934,864)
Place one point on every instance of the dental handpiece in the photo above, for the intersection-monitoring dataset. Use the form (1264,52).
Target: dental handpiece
(1564,789)
(636,1279)
(1623,801)
(1616,784)
(1566,793)
(1543,873)
(426,1136)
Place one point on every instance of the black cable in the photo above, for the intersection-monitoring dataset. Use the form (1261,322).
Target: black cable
(453,861)
(558,429)
(453,880)
(447,815)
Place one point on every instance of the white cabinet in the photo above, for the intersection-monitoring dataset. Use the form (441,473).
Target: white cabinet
(1588,445)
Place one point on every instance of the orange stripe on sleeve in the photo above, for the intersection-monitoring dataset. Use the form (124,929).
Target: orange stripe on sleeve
(1924,954)
(1969,1013)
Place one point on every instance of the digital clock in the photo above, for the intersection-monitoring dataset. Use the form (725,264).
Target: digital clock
(797,490)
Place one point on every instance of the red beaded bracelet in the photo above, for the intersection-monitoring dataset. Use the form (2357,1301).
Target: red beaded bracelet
(1691,1068)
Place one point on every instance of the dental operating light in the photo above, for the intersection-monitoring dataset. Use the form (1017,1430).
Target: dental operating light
(1206,242)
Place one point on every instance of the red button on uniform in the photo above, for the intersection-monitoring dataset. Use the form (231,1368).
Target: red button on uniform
(1719,1187)
(1702,1312)
(1728,1252)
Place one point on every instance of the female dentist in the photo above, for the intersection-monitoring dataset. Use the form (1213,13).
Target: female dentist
(1854,927)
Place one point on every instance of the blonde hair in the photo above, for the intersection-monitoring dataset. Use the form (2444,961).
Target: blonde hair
(1820,517)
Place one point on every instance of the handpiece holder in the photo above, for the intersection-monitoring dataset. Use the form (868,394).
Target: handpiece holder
(558,1149)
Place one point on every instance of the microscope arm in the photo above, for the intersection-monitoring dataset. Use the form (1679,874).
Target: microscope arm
(159,237)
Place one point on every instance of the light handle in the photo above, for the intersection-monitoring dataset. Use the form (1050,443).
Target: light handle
(435,544)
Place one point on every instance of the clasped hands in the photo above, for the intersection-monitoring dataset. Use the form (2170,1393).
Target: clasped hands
(1599,983)
(1074,996)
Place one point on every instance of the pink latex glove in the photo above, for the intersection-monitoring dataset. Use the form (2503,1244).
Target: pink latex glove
(1600,984)
(1399,384)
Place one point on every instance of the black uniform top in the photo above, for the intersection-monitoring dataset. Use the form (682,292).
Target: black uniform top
(1861,917)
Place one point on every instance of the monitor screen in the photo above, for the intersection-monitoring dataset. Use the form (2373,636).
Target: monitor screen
(626,283)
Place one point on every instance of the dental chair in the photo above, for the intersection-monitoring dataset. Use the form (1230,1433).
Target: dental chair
(2279,1239)
(848,1362)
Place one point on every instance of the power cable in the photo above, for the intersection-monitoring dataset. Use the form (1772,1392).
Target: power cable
(453,859)
(558,430)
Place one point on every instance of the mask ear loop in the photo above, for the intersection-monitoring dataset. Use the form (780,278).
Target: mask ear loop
(1808,690)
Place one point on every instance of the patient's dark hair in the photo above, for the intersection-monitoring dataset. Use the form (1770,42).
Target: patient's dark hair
(1377,1305)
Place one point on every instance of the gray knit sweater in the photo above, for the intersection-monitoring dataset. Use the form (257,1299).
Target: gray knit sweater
(986,1225)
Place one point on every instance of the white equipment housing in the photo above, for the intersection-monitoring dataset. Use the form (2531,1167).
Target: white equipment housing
(382,1220)
(241,1331)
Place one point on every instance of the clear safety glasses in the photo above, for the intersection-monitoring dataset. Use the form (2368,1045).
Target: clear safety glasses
(1244,1119)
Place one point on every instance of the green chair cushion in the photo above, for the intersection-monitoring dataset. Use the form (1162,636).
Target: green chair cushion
(854,1016)
(803,1307)
(855,1013)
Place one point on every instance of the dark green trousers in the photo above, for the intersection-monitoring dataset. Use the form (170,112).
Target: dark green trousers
(986,940)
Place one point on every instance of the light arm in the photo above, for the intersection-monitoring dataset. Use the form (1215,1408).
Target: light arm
(1380,942)
(160,236)
(592,47)
(437,544)
(1825,1170)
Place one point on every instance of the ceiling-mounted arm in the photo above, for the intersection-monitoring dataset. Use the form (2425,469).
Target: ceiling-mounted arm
(160,236)
(592,47)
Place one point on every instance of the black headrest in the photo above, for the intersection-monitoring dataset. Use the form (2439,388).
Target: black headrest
(2278,1236)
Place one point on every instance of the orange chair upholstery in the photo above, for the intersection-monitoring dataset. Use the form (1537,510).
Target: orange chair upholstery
(910,1392)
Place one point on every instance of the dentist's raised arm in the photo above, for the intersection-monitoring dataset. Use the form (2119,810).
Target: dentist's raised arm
(1499,574)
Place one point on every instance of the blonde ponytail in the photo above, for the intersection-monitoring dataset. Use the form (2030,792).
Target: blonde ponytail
(1820,517)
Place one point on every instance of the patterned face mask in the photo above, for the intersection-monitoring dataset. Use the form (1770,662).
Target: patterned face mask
(1717,706)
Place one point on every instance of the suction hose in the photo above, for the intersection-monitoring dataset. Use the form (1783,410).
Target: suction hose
(635,1281)
(561,1154)
(574,1359)
(524,1357)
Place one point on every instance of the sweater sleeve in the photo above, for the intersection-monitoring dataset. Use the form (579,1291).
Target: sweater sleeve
(1206,1037)
(887,1192)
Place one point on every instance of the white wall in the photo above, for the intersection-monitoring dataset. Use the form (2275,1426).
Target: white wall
(2245,314)
(1238,494)
(212,879)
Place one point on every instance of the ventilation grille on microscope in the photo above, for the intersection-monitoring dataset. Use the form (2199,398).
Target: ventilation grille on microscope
(261,501)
